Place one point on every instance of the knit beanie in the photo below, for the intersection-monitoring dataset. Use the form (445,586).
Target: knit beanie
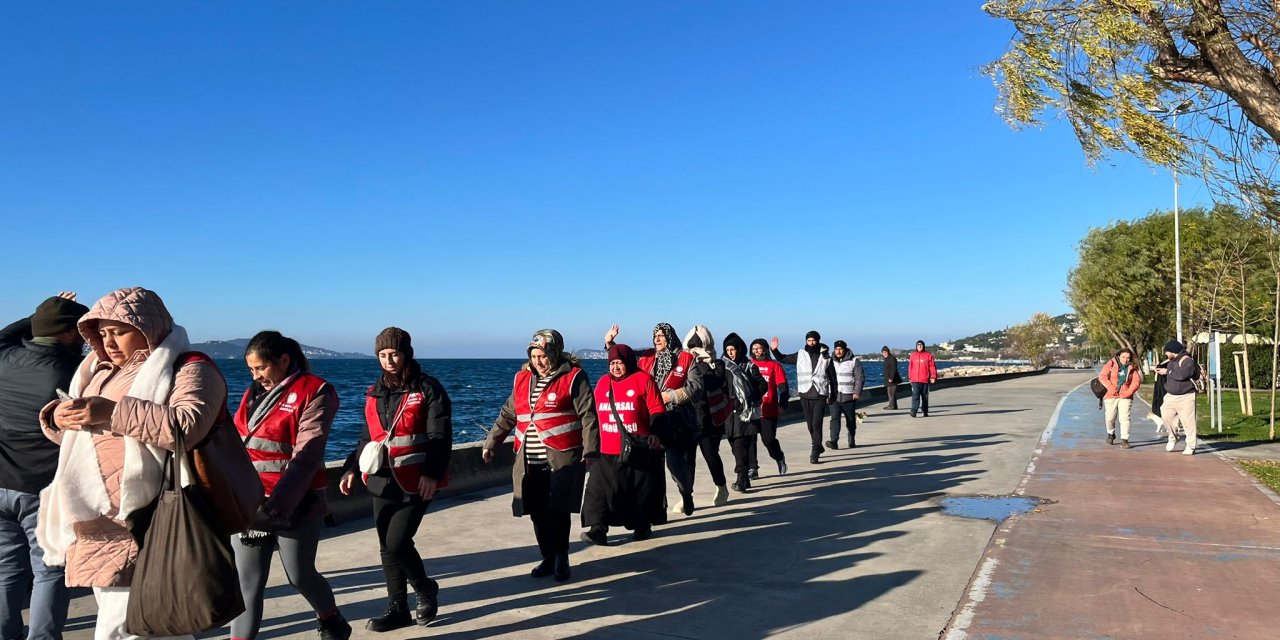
(55,316)
(841,344)
(817,337)
(394,338)
(1173,346)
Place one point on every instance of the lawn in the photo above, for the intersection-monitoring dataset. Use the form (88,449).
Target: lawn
(1236,427)
(1266,471)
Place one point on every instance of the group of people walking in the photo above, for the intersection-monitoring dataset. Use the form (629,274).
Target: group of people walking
(86,440)
(1173,403)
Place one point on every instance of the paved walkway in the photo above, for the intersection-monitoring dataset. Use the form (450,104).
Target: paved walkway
(1138,543)
(855,547)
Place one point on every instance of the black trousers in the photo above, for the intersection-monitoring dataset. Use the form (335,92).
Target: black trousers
(710,446)
(891,390)
(741,448)
(680,464)
(769,435)
(815,409)
(848,410)
(396,522)
(550,527)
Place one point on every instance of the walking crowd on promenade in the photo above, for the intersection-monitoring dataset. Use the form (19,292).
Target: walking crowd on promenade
(126,470)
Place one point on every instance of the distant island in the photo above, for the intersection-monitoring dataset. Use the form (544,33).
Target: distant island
(234,350)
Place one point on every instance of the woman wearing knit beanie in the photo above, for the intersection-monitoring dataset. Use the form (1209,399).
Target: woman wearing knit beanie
(403,460)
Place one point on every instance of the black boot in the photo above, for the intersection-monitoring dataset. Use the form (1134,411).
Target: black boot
(742,484)
(596,535)
(687,503)
(562,567)
(544,568)
(396,616)
(428,604)
(334,627)
(782,467)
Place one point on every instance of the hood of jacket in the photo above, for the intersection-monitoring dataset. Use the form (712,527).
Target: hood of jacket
(139,308)
(735,341)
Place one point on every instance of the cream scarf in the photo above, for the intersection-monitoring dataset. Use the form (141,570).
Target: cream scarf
(78,493)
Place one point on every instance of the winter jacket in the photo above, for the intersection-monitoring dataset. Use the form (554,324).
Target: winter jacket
(568,474)
(103,552)
(859,377)
(1183,369)
(922,368)
(1110,378)
(30,375)
(891,375)
(436,424)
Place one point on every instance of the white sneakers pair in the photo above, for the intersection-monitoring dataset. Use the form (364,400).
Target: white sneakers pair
(1190,450)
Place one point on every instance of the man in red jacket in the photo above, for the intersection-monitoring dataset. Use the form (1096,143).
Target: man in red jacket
(922,371)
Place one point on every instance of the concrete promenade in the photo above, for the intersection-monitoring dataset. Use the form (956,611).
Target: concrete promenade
(855,547)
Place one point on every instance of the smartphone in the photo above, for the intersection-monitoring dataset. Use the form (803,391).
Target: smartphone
(63,395)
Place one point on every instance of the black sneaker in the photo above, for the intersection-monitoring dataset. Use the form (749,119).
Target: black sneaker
(1111,438)
(595,536)
(831,445)
(754,474)
(813,458)
(642,534)
(428,604)
(913,414)
(335,627)
(687,504)
(544,568)
(562,567)
(782,467)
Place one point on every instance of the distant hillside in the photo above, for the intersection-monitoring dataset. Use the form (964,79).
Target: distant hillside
(234,349)
(996,341)
(591,354)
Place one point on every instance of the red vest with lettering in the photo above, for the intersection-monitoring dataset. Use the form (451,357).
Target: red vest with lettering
(554,415)
(676,377)
(407,446)
(271,443)
(636,398)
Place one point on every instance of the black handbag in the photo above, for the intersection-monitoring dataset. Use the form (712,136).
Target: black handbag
(185,579)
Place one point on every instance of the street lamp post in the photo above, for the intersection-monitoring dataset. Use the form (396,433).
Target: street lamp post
(1177,239)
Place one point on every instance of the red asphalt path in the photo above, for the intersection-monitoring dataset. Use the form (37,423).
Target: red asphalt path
(1137,543)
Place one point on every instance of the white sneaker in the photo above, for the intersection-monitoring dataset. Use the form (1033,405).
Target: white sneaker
(677,507)
(722,496)
(1169,447)
(1189,451)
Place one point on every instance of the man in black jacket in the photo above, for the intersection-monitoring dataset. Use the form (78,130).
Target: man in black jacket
(38,356)
(891,378)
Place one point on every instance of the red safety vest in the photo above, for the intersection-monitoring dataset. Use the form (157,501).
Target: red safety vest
(407,446)
(558,423)
(271,443)
(772,372)
(637,400)
(676,377)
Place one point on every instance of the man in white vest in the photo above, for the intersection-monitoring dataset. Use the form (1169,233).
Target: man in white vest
(815,379)
(849,381)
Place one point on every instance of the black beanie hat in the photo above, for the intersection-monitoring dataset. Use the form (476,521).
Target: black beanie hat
(1173,346)
(817,337)
(56,315)
(841,344)
(394,338)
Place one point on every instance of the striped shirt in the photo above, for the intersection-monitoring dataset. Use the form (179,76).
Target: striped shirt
(534,451)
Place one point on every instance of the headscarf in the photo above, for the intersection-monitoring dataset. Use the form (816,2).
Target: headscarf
(733,340)
(628,357)
(768,355)
(700,343)
(665,361)
(551,343)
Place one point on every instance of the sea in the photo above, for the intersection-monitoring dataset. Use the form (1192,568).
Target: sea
(477,387)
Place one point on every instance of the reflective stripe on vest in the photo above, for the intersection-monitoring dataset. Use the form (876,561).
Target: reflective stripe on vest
(845,375)
(807,378)
(270,446)
(554,415)
(406,437)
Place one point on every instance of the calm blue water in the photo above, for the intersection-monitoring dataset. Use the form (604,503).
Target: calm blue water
(477,387)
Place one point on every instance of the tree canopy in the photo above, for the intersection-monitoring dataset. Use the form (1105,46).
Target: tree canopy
(1105,64)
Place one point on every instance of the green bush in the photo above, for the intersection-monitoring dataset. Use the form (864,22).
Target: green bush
(1259,366)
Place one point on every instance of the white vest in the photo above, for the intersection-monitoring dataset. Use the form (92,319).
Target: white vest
(807,378)
(844,374)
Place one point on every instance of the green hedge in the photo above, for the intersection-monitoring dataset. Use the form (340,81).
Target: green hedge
(1259,366)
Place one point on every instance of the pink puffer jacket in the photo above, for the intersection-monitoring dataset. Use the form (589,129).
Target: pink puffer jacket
(104,552)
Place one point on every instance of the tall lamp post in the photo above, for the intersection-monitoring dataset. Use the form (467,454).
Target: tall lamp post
(1177,240)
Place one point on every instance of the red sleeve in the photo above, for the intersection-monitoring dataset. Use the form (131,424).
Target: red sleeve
(779,374)
(933,367)
(653,397)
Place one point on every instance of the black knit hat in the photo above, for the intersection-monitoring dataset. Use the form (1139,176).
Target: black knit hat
(394,338)
(841,344)
(56,315)
(1173,346)
(817,337)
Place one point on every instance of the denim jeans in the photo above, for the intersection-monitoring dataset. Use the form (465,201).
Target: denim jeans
(919,397)
(22,571)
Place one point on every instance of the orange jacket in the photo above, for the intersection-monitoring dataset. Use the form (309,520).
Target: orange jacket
(1110,378)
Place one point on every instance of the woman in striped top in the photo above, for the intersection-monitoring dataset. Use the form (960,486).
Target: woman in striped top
(552,417)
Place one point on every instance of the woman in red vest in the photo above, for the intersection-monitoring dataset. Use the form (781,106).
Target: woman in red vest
(681,385)
(627,486)
(552,414)
(284,418)
(408,443)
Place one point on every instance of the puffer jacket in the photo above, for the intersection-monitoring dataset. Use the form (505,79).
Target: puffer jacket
(103,552)
(1111,376)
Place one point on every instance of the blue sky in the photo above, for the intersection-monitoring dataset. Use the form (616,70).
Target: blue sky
(473,171)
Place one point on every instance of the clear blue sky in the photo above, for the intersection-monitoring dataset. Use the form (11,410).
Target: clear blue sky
(473,171)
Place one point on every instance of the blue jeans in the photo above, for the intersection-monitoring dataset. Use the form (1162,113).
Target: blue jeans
(22,571)
(919,397)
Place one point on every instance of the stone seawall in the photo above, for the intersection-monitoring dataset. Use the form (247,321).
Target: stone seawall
(468,471)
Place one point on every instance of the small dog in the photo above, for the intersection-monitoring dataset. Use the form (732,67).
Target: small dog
(1160,426)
